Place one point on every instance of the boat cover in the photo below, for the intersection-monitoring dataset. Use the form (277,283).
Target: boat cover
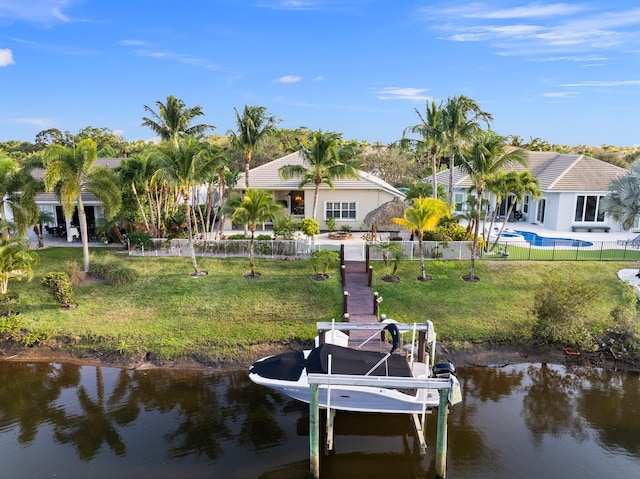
(289,366)
(286,366)
(355,362)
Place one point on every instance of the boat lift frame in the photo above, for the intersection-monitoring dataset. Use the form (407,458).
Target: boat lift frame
(443,385)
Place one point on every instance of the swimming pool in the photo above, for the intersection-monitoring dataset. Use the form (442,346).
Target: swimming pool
(534,240)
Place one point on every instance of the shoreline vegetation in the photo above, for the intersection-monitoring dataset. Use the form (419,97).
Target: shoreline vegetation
(223,321)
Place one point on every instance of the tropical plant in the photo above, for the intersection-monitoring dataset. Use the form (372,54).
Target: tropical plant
(423,215)
(324,160)
(254,207)
(70,172)
(43,217)
(173,119)
(331,223)
(518,186)
(392,253)
(60,286)
(285,227)
(183,163)
(485,157)
(17,260)
(112,270)
(460,122)
(255,125)
(323,260)
(622,202)
(309,226)
(17,194)
(432,136)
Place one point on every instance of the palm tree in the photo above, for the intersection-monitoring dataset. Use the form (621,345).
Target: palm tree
(324,160)
(519,185)
(430,129)
(17,259)
(184,162)
(173,118)
(17,194)
(254,207)
(486,157)
(255,125)
(70,171)
(424,215)
(460,122)
(622,203)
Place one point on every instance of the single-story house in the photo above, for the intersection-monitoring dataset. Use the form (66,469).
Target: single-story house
(49,203)
(349,201)
(572,187)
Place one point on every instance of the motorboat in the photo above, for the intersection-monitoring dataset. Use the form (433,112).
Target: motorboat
(289,372)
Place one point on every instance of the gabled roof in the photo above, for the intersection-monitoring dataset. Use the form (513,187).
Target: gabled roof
(266,176)
(38,173)
(557,172)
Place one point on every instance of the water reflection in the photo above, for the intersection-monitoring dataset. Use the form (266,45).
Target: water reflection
(520,421)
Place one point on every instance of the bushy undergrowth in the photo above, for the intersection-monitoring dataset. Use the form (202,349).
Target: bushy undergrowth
(112,270)
(74,271)
(60,285)
(560,306)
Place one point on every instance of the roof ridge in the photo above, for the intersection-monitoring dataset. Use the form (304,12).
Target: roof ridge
(566,170)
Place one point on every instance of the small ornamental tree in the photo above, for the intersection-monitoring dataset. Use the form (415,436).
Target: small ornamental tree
(309,226)
(60,285)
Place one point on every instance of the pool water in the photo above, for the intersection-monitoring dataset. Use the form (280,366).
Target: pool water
(534,240)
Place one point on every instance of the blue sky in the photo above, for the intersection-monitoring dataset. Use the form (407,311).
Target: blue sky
(566,72)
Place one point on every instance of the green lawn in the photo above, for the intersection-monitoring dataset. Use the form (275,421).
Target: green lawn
(223,315)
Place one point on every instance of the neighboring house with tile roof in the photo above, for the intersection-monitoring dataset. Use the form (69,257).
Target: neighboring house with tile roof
(349,201)
(572,187)
(49,202)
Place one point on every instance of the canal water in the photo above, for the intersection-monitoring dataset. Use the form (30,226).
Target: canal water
(523,421)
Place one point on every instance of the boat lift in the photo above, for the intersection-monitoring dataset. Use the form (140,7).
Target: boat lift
(444,386)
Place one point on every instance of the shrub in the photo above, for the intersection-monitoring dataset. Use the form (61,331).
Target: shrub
(60,285)
(75,273)
(331,223)
(112,270)
(309,226)
(263,237)
(140,240)
(323,260)
(285,227)
(560,306)
(10,324)
(8,301)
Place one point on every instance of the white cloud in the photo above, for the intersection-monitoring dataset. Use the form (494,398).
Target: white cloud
(319,78)
(558,94)
(178,57)
(35,121)
(538,29)
(6,57)
(288,5)
(396,93)
(604,83)
(132,43)
(289,79)
(36,11)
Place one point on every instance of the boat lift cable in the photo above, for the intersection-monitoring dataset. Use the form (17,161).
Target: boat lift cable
(385,326)
(395,336)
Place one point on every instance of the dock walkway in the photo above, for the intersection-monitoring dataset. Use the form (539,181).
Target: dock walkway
(360,305)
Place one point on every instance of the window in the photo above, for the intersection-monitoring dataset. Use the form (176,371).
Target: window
(588,208)
(297,203)
(525,204)
(459,201)
(341,210)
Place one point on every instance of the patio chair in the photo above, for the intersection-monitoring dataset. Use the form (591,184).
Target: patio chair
(633,242)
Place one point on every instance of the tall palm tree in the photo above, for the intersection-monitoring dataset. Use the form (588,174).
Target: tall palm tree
(324,161)
(518,186)
(622,203)
(184,162)
(430,130)
(173,118)
(485,157)
(132,172)
(253,207)
(255,125)
(72,170)
(17,195)
(424,215)
(460,122)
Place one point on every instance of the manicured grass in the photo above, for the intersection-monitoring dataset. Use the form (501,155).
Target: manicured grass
(519,252)
(223,315)
(498,307)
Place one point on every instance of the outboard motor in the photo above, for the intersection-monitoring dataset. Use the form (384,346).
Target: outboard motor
(443,370)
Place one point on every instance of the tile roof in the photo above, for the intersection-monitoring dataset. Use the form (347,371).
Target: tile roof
(267,176)
(556,172)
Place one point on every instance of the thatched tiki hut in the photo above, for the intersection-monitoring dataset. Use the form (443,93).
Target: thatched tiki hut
(382,216)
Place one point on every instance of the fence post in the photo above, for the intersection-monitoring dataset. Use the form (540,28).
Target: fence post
(366,258)
(343,275)
(370,276)
(342,253)
(376,295)
(345,302)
